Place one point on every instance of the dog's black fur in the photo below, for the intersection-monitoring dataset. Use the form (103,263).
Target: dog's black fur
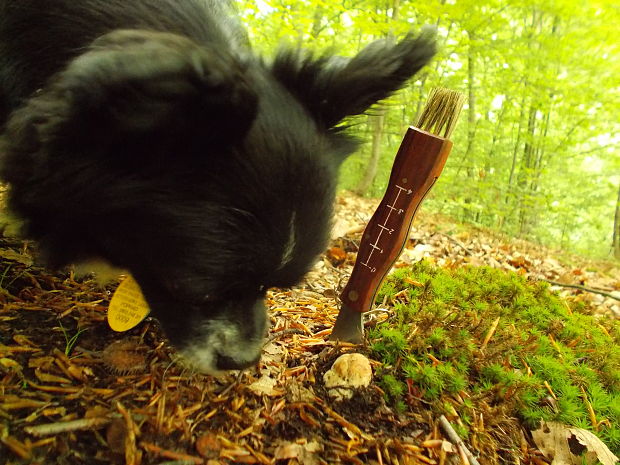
(146,133)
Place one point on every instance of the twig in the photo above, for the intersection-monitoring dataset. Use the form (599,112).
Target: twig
(284,332)
(548,386)
(18,448)
(234,383)
(447,427)
(463,456)
(170,454)
(132,455)
(457,242)
(379,456)
(343,422)
(583,288)
(595,423)
(67,426)
(489,334)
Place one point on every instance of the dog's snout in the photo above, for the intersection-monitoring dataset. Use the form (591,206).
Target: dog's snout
(224,362)
(212,355)
(232,339)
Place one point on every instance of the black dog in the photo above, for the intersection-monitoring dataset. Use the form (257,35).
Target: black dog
(145,132)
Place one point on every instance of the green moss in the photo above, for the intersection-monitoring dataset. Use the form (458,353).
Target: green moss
(545,360)
(392,386)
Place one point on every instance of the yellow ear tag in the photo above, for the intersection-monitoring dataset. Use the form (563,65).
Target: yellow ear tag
(127,307)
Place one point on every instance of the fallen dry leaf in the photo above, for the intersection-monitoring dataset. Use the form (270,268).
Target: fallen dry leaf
(571,446)
(336,256)
(304,453)
(265,385)
(208,446)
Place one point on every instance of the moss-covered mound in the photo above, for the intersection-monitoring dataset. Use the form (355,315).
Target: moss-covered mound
(544,358)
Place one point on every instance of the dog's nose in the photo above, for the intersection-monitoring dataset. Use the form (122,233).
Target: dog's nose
(223,362)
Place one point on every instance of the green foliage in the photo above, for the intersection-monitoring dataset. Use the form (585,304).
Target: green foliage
(536,150)
(543,361)
(70,341)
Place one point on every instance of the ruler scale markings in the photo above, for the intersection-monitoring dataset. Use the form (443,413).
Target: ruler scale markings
(384,227)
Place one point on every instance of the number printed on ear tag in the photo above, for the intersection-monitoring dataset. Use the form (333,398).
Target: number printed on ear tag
(128,306)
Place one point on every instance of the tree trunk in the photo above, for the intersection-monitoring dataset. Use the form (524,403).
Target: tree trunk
(496,134)
(377,123)
(509,197)
(471,101)
(525,174)
(540,153)
(616,237)
(421,97)
(471,124)
(395,10)
(316,22)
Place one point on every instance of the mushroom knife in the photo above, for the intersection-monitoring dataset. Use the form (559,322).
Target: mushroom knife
(418,163)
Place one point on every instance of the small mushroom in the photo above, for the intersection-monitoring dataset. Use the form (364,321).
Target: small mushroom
(348,372)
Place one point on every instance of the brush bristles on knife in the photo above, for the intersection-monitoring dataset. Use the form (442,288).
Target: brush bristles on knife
(441,112)
(418,163)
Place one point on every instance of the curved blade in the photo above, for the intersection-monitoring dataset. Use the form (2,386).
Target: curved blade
(348,327)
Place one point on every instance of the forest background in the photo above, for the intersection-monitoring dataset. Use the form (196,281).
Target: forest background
(537,150)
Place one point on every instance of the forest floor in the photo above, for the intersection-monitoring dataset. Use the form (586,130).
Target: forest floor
(74,392)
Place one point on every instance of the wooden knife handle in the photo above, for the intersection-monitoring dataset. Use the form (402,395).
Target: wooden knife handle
(419,162)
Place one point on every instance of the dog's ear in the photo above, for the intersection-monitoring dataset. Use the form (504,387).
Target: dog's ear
(333,88)
(139,89)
